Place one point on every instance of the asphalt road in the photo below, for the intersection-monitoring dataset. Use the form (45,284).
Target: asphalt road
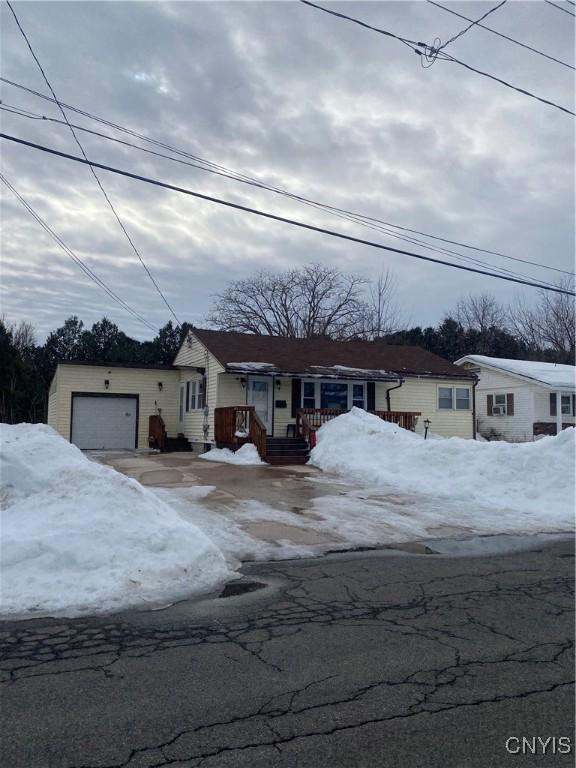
(371,659)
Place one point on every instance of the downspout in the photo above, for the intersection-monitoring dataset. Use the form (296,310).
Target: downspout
(273,401)
(474,407)
(390,390)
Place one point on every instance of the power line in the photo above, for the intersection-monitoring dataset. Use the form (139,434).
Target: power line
(220,170)
(341,213)
(473,24)
(432,53)
(81,148)
(76,259)
(410,43)
(448,57)
(500,34)
(275,217)
(559,8)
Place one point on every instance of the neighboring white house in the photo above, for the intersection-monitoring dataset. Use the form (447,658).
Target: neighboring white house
(519,400)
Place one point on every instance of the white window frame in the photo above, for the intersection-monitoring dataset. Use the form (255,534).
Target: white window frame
(453,389)
(318,392)
(562,411)
(197,395)
(500,405)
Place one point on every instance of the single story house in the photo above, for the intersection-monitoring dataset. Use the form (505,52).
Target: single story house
(225,388)
(519,400)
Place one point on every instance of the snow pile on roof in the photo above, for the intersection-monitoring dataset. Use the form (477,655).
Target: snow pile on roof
(531,482)
(79,537)
(249,366)
(247,454)
(551,374)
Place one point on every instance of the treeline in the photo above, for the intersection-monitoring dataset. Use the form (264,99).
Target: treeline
(27,368)
(313,301)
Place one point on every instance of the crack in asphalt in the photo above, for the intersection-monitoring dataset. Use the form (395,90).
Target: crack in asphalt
(26,653)
(455,619)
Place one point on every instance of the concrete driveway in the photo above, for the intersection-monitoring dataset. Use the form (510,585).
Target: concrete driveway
(263,512)
(233,491)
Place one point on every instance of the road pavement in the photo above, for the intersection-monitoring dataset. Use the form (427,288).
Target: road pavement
(367,659)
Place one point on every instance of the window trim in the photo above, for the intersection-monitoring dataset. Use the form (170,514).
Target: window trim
(195,399)
(453,388)
(317,383)
(504,404)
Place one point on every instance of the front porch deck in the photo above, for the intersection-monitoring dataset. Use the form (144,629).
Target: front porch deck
(238,424)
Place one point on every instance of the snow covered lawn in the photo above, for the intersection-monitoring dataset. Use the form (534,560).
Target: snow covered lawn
(78,537)
(488,487)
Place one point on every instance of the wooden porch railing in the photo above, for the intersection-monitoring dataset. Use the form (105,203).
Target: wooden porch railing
(404,419)
(305,428)
(309,420)
(238,424)
(156,432)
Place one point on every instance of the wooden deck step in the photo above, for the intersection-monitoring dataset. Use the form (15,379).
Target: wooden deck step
(286,450)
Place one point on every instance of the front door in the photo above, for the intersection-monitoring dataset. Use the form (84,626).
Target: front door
(260,396)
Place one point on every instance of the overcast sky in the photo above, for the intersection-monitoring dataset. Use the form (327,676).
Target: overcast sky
(302,100)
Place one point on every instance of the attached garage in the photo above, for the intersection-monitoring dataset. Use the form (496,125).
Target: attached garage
(104,422)
(108,407)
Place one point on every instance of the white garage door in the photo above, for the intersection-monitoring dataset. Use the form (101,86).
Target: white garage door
(104,422)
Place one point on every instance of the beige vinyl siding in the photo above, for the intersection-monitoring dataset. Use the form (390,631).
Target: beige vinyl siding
(53,401)
(230,390)
(422,395)
(283,416)
(194,353)
(130,381)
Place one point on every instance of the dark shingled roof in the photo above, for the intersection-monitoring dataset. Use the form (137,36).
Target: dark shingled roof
(316,356)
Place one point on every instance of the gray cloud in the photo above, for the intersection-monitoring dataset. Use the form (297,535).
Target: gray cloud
(305,101)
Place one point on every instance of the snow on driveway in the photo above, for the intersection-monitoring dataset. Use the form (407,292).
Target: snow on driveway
(487,487)
(77,537)
(382,485)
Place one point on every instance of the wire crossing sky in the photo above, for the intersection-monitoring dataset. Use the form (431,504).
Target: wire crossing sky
(327,123)
(281,219)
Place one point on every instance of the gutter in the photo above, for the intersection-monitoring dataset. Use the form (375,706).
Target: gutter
(390,390)
(474,385)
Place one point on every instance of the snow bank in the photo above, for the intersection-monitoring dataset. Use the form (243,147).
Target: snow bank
(247,454)
(531,483)
(79,537)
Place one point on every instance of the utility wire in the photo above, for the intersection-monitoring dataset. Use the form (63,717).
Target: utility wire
(76,259)
(432,52)
(410,43)
(559,8)
(357,219)
(500,34)
(473,24)
(81,148)
(448,57)
(221,170)
(275,217)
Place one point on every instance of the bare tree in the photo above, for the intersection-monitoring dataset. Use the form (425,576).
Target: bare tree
(549,324)
(480,312)
(311,301)
(23,336)
(381,313)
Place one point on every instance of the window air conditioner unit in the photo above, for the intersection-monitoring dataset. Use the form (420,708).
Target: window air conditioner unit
(498,410)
